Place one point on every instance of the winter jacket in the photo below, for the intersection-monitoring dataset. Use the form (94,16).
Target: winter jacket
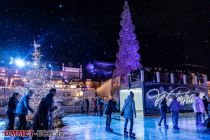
(205,103)
(198,105)
(41,116)
(163,106)
(110,107)
(175,106)
(49,100)
(43,113)
(87,102)
(23,105)
(12,105)
(129,108)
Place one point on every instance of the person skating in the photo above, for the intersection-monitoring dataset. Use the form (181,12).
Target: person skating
(95,107)
(100,103)
(82,104)
(205,103)
(198,108)
(163,110)
(207,124)
(87,105)
(22,110)
(41,118)
(108,111)
(11,111)
(129,113)
(175,107)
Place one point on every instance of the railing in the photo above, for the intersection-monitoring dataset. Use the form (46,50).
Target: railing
(168,77)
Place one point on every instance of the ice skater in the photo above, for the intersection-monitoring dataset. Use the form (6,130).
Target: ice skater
(207,124)
(129,113)
(163,110)
(82,104)
(175,107)
(198,108)
(43,116)
(87,105)
(11,111)
(95,107)
(100,104)
(205,103)
(22,110)
(108,111)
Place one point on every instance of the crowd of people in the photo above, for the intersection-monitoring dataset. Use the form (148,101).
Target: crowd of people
(107,107)
(200,107)
(98,105)
(42,117)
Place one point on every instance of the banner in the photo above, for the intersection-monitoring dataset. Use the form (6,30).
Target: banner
(154,93)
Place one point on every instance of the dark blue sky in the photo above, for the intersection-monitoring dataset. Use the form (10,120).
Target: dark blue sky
(170,32)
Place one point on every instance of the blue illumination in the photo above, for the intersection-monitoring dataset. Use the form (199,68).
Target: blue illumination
(11,60)
(90,66)
(19,62)
(28,63)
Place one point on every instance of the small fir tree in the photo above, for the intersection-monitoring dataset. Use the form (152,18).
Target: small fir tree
(38,80)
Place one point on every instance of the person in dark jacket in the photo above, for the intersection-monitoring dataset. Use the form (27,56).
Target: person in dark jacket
(205,103)
(175,107)
(109,109)
(82,106)
(22,110)
(40,120)
(11,111)
(49,100)
(100,103)
(87,104)
(43,114)
(163,110)
(95,107)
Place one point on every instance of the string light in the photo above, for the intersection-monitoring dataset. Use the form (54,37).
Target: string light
(38,81)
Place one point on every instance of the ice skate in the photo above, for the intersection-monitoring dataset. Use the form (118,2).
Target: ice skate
(125,133)
(133,135)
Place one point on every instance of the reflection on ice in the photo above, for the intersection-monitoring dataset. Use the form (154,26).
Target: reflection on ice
(93,128)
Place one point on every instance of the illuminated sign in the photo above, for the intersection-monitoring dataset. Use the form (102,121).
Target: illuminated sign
(184,95)
(153,95)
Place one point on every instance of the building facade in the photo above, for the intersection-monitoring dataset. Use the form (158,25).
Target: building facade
(14,77)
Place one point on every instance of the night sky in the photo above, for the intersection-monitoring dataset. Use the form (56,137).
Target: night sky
(170,32)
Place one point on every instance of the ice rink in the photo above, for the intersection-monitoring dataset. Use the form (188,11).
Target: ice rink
(88,127)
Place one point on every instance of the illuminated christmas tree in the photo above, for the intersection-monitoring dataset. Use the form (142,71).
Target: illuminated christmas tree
(128,58)
(38,80)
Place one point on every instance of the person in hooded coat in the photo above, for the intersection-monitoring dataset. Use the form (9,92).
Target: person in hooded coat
(129,113)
